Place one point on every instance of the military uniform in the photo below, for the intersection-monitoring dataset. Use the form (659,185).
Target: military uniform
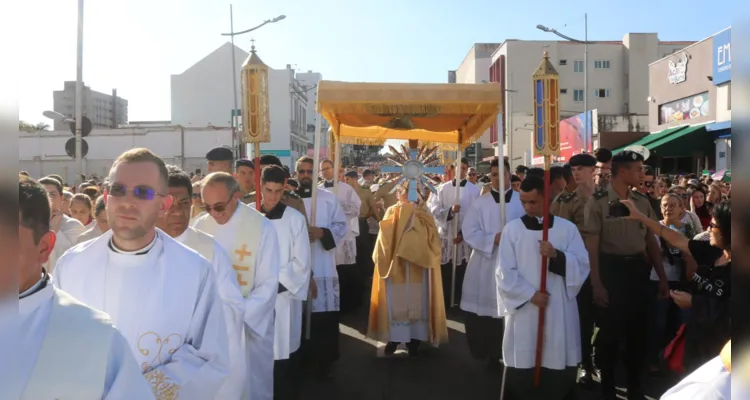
(289,199)
(383,192)
(625,274)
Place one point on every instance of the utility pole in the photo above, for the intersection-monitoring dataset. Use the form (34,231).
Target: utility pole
(586,83)
(234,87)
(79,91)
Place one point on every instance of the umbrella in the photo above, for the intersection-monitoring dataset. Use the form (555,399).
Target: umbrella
(724,174)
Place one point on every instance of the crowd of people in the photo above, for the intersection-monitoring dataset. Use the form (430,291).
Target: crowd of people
(210,294)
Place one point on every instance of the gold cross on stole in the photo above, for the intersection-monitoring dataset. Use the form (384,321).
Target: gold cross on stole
(241,253)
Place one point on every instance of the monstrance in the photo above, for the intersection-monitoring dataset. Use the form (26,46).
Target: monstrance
(413,165)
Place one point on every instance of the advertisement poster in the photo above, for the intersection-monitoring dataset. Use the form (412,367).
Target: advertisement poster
(572,133)
(684,109)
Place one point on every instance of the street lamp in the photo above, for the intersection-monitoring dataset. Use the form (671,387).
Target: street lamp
(56,116)
(232,34)
(585,43)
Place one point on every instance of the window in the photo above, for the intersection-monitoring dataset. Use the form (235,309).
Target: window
(578,66)
(601,64)
(601,92)
(578,95)
(563,91)
(563,62)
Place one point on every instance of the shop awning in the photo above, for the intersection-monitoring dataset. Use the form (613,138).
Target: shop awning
(682,133)
(644,141)
(720,130)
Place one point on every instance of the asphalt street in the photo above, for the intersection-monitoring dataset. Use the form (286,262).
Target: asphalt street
(447,372)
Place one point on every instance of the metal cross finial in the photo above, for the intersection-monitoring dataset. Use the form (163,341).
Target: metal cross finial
(546,53)
(252,44)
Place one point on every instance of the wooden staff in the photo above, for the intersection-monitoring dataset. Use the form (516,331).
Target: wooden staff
(313,202)
(456,226)
(256,164)
(543,283)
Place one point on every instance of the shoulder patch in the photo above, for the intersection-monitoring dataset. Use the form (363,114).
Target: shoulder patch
(249,195)
(291,194)
(566,197)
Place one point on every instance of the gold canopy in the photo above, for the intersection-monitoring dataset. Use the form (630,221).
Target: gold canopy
(371,113)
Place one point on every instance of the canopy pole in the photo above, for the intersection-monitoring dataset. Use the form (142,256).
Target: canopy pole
(457,177)
(336,158)
(313,204)
(543,281)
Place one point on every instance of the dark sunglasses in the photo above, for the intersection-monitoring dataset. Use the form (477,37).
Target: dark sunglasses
(219,207)
(305,171)
(141,192)
(605,176)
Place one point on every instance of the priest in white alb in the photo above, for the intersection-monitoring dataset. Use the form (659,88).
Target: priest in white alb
(481,231)
(518,277)
(250,241)
(175,224)
(326,231)
(443,207)
(346,249)
(161,295)
(67,349)
(294,279)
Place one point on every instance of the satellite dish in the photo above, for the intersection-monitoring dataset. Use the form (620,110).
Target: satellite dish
(642,150)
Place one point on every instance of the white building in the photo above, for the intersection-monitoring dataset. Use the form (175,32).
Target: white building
(43,153)
(104,110)
(202,96)
(309,81)
(618,84)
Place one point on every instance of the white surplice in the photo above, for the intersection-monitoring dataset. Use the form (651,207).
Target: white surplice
(294,276)
(66,237)
(166,304)
(346,249)
(712,381)
(481,224)
(76,369)
(328,215)
(518,276)
(440,205)
(259,290)
(234,307)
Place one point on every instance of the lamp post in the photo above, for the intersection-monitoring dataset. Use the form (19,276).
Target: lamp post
(585,43)
(79,91)
(232,34)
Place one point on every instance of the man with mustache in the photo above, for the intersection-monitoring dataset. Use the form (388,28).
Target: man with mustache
(175,224)
(327,229)
(160,294)
(251,242)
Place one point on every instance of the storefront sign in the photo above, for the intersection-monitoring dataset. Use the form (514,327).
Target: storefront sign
(678,69)
(684,109)
(722,57)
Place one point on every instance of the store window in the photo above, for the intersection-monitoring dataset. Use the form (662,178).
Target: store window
(684,109)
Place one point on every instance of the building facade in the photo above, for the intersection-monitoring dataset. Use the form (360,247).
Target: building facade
(617,84)
(309,81)
(104,110)
(43,153)
(203,96)
(690,108)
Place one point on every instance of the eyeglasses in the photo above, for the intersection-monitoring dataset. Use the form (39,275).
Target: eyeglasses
(218,207)
(140,192)
(305,171)
(472,174)
(605,176)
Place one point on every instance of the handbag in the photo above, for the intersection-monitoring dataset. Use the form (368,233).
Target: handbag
(674,353)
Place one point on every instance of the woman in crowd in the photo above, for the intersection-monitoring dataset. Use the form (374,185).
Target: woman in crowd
(707,326)
(687,216)
(679,268)
(82,210)
(715,196)
(100,225)
(699,206)
(661,186)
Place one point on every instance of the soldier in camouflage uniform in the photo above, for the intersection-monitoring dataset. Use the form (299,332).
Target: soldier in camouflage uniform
(289,199)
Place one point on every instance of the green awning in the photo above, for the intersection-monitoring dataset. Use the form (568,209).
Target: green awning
(682,133)
(650,138)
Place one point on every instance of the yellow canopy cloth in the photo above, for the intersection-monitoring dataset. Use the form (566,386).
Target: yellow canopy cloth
(371,113)
(408,234)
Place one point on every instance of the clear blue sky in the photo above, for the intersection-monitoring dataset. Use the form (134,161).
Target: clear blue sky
(134,45)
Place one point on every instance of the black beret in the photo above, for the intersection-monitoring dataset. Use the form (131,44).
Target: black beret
(269,159)
(352,174)
(627,156)
(220,154)
(582,160)
(243,162)
(292,182)
(514,178)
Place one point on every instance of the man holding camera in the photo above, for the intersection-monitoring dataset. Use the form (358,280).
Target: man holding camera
(620,272)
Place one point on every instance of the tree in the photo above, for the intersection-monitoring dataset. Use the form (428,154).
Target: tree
(31,128)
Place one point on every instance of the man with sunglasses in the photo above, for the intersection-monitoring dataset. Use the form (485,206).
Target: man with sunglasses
(160,294)
(647,188)
(250,241)
(603,167)
(176,224)
(327,229)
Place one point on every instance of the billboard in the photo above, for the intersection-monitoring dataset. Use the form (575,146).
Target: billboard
(722,57)
(572,133)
